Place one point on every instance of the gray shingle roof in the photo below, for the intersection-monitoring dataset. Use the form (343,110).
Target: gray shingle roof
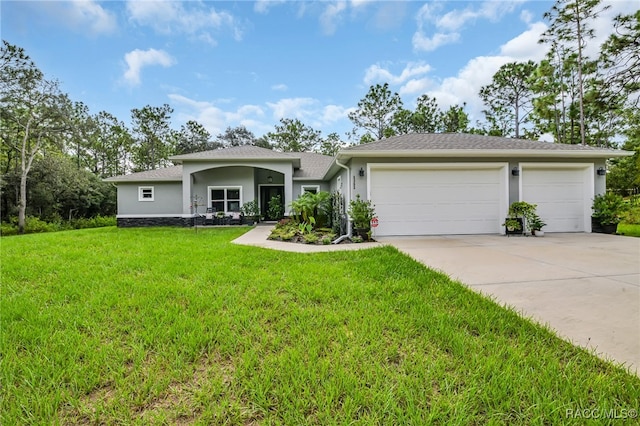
(312,165)
(460,141)
(166,174)
(235,153)
(308,165)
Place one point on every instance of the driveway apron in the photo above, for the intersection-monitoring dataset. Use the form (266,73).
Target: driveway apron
(584,286)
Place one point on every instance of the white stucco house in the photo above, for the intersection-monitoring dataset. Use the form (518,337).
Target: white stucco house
(420,184)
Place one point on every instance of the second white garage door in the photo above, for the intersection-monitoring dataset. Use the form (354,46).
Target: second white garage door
(439,199)
(563,193)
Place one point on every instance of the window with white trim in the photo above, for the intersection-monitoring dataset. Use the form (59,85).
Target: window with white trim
(145,193)
(225,199)
(314,189)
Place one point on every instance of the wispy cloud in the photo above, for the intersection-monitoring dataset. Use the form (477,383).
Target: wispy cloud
(138,59)
(263,6)
(331,16)
(448,25)
(291,107)
(279,87)
(428,44)
(85,16)
(378,74)
(191,18)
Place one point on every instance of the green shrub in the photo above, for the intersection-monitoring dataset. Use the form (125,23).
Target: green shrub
(7,229)
(631,216)
(608,208)
(94,222)
(361,213)
(34,225)
(311,238)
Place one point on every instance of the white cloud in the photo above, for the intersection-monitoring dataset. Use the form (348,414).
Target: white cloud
(428,44)
(526,16)
(217,115)
(100,21)
(279,87)
(331,16)
(292,107)
(360,3)
(377,74)
(83,15)
(263,6)
(137,59)
(449,25)
(334,113)
(415,86)
(215,119)
(602,25)
(192,18)
(525,46)
(479,71)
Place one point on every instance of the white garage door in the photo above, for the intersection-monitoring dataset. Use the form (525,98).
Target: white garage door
(439,199)
(563,195)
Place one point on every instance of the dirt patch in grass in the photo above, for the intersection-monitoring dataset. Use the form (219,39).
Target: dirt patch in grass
(178,404)
(85,411)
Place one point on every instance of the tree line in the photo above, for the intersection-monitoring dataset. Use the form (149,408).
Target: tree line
(55,153)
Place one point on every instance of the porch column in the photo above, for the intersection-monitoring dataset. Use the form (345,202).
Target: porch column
(288,189)
(186,191)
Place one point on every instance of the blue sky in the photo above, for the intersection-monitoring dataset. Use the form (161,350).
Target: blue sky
(226,64)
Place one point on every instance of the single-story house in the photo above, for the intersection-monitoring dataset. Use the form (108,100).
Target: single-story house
(420,184)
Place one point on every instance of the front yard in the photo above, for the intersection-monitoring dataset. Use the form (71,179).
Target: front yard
(166,326)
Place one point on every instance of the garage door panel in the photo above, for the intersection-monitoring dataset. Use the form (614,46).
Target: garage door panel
(560,194)
(438,201)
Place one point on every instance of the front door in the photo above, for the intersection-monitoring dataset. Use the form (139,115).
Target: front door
(267,192)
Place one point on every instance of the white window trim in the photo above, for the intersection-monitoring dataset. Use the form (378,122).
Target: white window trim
(210,200)
(303,188)
(141,190)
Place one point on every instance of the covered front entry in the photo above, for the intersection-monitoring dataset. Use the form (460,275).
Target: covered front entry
(562,192)
(267,192)
(438,199)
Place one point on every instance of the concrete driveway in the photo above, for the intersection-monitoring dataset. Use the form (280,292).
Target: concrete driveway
(584,286)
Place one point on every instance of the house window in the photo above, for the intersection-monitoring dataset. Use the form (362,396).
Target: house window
(226,199)
(145,193)
(314,189)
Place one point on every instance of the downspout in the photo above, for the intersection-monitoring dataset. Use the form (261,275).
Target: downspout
(348,234)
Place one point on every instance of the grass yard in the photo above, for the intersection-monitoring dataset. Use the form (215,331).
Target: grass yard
(166,326)
(628,229)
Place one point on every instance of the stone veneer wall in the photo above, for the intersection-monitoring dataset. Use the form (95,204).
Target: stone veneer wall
(130,222)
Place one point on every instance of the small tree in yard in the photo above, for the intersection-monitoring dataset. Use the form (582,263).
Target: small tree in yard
(34,113)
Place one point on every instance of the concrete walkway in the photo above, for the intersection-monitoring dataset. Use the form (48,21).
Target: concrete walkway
(258,237)
(584,286)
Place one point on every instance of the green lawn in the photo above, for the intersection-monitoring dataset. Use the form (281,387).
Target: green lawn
(628,229)
(166,326)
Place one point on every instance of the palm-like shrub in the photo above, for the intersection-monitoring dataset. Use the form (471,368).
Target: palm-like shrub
(310,208)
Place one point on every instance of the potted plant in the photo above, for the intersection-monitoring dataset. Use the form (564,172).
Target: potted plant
(513,225)
(536,224)
(220,218)
(361,212)
(607,211)
(275,210)
(521,212)
(251,212)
